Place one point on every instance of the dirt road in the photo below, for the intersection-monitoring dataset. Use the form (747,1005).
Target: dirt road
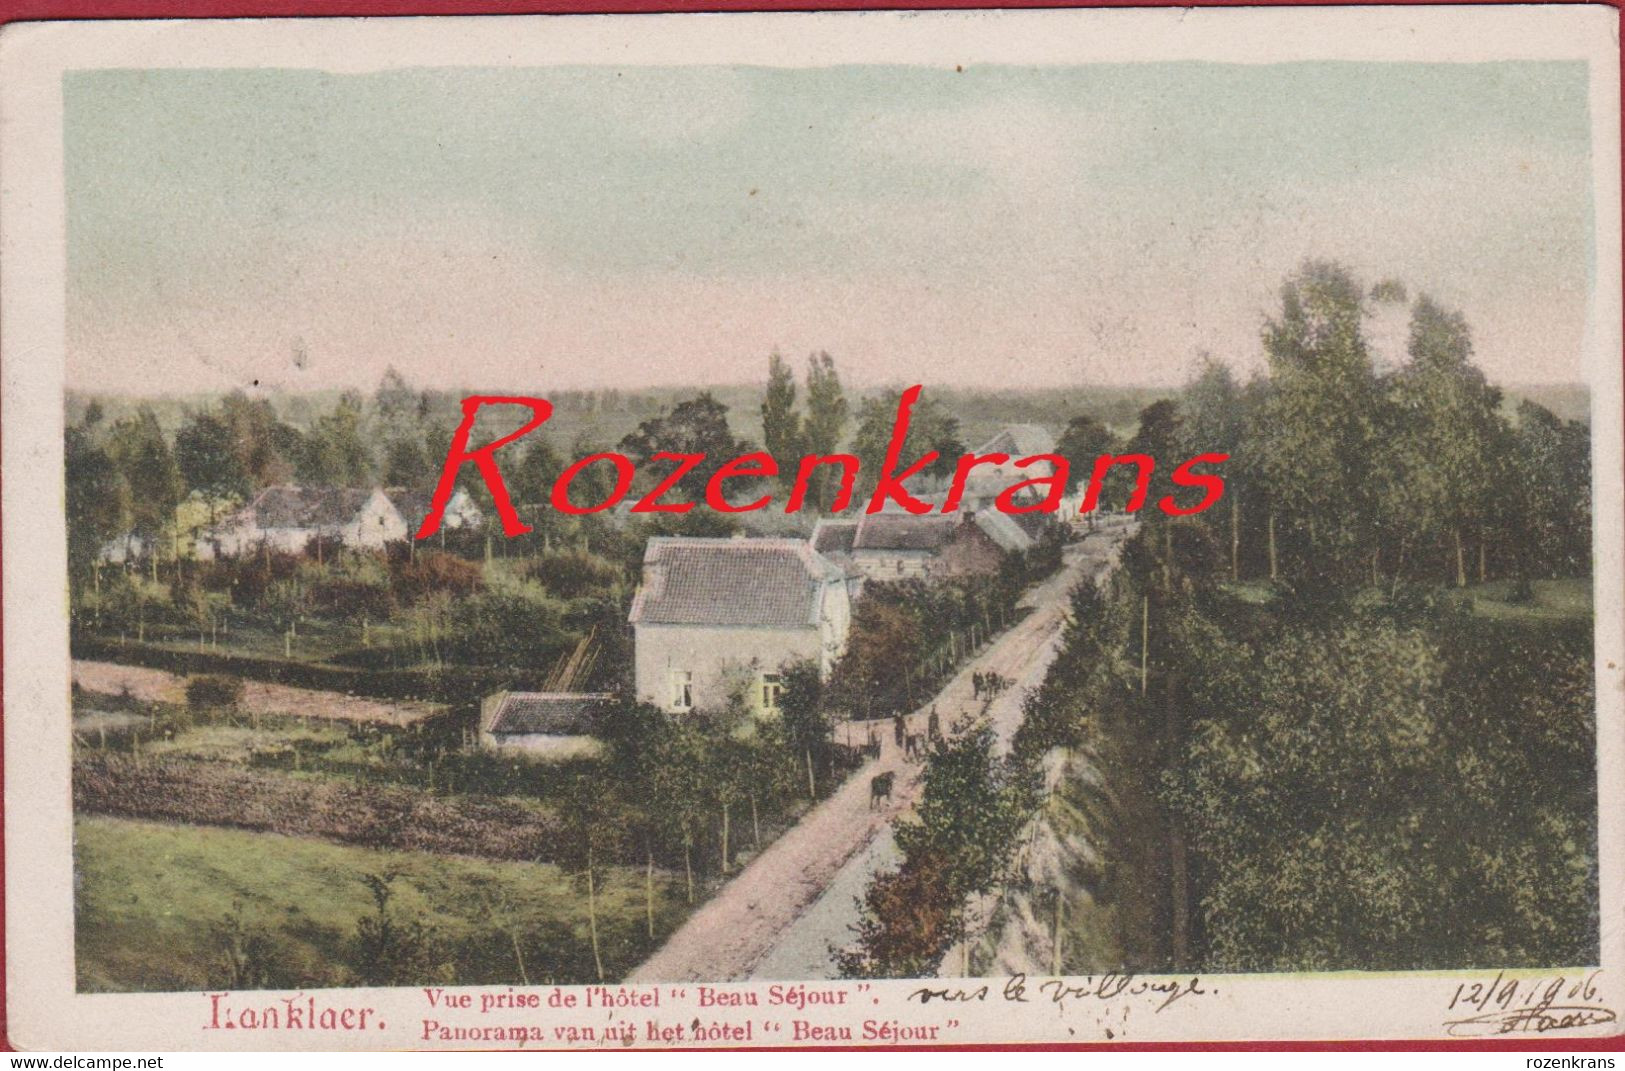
(259,697)
(779,917)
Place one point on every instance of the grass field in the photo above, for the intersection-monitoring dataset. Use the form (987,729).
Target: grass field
(155,903)
(1551,600)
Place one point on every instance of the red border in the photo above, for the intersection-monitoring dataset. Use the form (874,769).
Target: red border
(33,10)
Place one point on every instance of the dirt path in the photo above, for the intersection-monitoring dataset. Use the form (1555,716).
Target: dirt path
(751,925)
(259,697)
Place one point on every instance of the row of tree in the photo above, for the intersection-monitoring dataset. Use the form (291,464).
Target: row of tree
(1294,773)
(1345,473)
(1296,779)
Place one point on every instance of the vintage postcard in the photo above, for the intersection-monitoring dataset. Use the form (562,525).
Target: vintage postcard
(844,529)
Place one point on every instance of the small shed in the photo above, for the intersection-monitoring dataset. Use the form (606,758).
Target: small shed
(553,725)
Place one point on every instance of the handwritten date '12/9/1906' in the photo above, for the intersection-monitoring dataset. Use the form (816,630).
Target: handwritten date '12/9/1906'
(1513,1006)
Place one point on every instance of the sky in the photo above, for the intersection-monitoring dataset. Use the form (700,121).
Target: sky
(571,227)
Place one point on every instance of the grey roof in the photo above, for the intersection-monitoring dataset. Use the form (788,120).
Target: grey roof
(1019,440)
(834,537)
(1003,530)
(774,583)
(550,713)
(904,531)
(414,504)
(1034,522)
(289,506)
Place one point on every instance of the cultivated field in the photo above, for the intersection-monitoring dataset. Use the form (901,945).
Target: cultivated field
(163,907)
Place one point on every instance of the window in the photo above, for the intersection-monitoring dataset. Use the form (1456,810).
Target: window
(682,689)
(772,686)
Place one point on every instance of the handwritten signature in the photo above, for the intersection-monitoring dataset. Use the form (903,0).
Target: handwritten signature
(1059,991)
(1510,1006)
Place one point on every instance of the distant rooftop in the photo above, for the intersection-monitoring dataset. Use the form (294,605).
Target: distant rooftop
(904,531)
(291,506)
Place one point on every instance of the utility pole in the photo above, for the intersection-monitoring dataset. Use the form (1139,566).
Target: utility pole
(1145,639)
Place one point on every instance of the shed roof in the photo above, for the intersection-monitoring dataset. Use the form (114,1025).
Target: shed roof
(547,713)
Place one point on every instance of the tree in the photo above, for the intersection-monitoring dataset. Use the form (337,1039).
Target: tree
(97,501)
(138,447)
(1443,437)
(969,812)
(1319,423)
(931,428)
(1214,418)
(394,399)
(1550,466)
(208,459)
(781,424)
(1084,440)
(696,426)
(336,452)
(388,951)
(595,833)
(1161,437)
(678,765)
(960,844)
(266,447)
(908,918)
(801,709)
(826,422)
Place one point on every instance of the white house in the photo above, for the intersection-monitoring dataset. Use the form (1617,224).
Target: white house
(461,509)
(715,620)
(901,546)
(286,518)
(1004,530)
(988,480)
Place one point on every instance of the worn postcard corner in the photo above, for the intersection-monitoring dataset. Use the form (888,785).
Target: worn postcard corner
(813,530)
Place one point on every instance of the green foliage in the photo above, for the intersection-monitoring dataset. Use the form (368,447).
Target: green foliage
(97,501)
(696,426)
(825,423)
(154,906)
(206,452)
(214,692)
(961,842)
(781,424)
(140,451)
(336,451)
(904,636)
(1084,440)
(932,427)
(521,626)
(1320,418)
(390,951)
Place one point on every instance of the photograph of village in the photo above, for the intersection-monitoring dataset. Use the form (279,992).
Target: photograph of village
(1342,720)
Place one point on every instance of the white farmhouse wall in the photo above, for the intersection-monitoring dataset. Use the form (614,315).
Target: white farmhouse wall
(379,522)
(547,746)
(709,653)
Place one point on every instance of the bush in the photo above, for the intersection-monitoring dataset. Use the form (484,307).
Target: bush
(450,684)
(214,692)
(570,574)
(431,572)
(375,816)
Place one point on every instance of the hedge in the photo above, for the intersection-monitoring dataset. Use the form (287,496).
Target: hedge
(375,816)
(448,684)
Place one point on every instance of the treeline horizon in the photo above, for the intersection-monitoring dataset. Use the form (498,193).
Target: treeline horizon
(1298,737)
